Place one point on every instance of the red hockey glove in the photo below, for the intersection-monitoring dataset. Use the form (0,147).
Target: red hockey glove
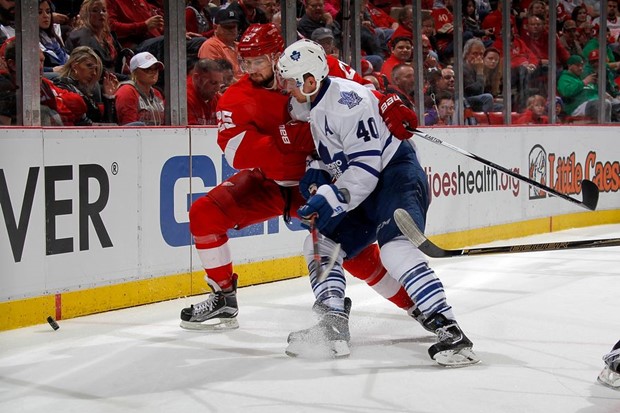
(295,137)
(397,116)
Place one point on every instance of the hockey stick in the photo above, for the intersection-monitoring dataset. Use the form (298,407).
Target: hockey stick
(408,227)
(589,189)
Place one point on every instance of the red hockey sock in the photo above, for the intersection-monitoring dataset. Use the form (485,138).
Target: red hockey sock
(367,267)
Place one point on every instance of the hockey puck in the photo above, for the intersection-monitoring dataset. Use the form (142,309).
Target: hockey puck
(53,323)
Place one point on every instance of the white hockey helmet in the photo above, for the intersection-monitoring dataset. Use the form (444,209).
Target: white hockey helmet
(301,58)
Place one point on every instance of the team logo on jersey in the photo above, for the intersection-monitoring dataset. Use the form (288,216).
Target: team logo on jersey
(351,99)
(295,55)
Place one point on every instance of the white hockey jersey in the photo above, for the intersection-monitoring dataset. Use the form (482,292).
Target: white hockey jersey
(351,137)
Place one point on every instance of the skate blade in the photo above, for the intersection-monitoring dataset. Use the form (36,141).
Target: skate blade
(216,324)
(457,358)
(329,350)
(609,379)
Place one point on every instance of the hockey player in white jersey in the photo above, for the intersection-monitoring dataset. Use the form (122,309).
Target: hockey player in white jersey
(373,174)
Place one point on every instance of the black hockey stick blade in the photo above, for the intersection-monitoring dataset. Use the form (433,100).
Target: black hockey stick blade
(590,193)
(589,189)
(408,227)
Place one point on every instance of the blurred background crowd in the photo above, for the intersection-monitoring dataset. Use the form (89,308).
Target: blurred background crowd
(102,60)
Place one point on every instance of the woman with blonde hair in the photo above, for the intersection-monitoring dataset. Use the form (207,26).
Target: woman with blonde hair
(82,74)
(138,102)
(94,31)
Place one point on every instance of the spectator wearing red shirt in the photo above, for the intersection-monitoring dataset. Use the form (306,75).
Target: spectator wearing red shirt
(494,21)
(525,67)
(402,51)
(134,21)
(535,112)
(405,22)
(137,101)
(537,38)
(203,92)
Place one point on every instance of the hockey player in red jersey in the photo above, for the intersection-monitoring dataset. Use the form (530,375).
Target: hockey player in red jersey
(258,139)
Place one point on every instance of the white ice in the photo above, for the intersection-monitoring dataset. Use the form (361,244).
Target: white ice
(540,322)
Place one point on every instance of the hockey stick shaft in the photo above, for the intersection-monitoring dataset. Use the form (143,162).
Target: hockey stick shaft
(588,188)
(314,231)
(408,227)
(321,272)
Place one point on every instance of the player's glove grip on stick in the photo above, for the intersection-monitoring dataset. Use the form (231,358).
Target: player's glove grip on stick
(295,137)
(328,202)
(312,180)
(397,116)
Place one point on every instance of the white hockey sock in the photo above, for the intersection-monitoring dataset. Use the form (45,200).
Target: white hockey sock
(331,290)
(410,267)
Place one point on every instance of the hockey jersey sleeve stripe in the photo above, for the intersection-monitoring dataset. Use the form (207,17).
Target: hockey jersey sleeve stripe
(366,168)
(231,147)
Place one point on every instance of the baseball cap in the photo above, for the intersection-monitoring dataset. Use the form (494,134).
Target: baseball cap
(226,16)
(593,56)
(574,60)
(321,33)
(144,60)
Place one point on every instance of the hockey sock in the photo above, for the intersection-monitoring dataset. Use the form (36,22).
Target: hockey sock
(329,290)
(215,257)
(367,267)
(407,263)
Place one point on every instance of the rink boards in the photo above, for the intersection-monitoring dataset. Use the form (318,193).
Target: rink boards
(97,219)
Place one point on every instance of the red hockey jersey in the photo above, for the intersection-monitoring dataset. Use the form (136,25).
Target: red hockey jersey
(248,118)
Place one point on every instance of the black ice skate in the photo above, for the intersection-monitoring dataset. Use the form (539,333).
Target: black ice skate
(329,338)
(218,312)
(610,376)
(453,348)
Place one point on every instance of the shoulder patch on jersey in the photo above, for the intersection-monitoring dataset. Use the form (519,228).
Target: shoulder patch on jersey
(351,99)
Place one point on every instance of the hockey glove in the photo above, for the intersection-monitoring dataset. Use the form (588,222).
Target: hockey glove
(327,203)
(295,137)
(313,179)
(397,116)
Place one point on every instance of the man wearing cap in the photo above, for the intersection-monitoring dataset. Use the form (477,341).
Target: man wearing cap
(223,44)
(137,100)
(580,95)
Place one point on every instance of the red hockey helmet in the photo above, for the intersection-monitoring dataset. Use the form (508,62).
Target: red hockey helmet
(259,40)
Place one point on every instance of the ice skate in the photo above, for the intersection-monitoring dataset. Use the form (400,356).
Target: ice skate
(610,376)
(321,309)
(218,312)
(453,348)
(327,339)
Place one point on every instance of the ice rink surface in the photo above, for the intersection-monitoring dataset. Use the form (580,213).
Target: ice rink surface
(540,322)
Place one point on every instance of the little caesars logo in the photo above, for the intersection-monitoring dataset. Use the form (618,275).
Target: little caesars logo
(565,173)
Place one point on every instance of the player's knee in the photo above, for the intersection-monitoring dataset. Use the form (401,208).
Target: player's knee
(399,256)
(204,214)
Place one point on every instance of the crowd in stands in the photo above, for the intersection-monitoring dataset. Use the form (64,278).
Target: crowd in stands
(101,60)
